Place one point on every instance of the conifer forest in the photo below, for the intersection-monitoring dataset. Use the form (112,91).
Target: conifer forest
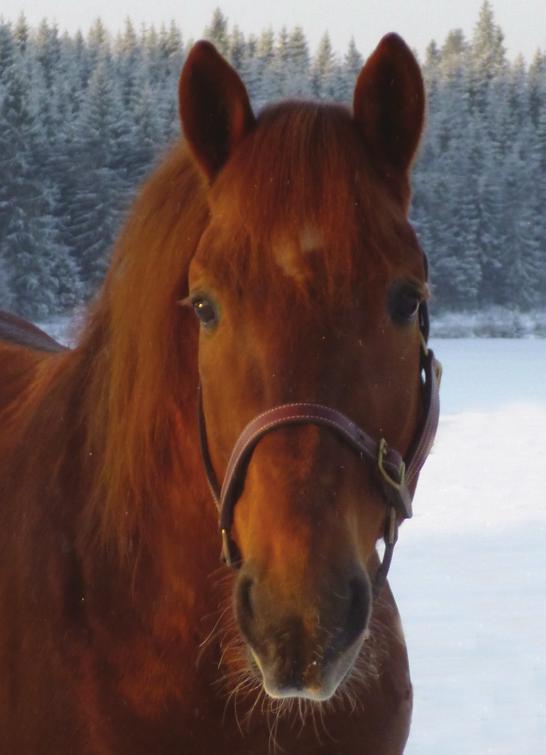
(84,118)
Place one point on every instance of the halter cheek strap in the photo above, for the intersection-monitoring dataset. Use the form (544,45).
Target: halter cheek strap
(396,476)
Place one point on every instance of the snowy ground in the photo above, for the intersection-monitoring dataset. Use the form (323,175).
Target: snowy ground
(469,571)
(493,322)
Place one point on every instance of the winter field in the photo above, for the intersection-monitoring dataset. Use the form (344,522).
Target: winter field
(469,572)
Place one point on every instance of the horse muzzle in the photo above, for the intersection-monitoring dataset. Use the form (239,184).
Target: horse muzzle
(303,644)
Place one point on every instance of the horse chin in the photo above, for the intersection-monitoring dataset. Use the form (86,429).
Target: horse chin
(326,682)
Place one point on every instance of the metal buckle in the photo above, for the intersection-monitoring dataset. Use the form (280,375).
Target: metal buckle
(382,452)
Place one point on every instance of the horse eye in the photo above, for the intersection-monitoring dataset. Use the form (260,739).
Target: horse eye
(404,302)
(205,311)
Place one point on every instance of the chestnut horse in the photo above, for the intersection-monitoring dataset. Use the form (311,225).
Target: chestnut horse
(269,260)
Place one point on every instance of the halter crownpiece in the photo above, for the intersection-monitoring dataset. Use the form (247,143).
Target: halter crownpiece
(396,476)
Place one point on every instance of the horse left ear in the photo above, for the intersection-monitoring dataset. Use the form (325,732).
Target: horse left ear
(214,107)
(389,104)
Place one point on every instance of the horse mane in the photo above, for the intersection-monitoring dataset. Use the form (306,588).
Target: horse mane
(143,369)
(138,351)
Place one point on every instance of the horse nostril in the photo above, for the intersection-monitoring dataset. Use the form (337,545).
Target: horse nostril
(245,597)
(359,603)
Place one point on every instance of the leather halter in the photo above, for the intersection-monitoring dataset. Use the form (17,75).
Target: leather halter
(396,476)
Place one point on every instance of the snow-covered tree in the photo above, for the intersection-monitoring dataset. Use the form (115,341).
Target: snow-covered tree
(100,174)
(352,65)
(217,32)
(7,48)
(487,54)
(84,118)
(297,79)
(324,75)
(237,48)
(47,50)
(21,33)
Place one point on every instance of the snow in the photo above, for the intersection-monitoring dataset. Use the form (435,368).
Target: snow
(489,322)
(469,571)
(63,329)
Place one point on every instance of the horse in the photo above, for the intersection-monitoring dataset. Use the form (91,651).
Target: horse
(256,356)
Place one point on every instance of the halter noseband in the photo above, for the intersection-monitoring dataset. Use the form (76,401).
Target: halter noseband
(396,476)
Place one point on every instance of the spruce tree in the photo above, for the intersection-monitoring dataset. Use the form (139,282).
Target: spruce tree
(6,299)
(21,33)
(217,32)
(487,55)
(323,76)
(525,264)
(277,71)
(98,189)
(299,62)
(47,49)
(352,64)
(265,55)
(237,48)
(127,71)
(7,49)
(537,86)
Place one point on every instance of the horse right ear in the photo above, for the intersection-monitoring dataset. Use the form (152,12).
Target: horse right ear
(214,107)
(389,104)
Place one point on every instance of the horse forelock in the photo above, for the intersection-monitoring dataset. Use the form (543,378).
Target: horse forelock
(303,182)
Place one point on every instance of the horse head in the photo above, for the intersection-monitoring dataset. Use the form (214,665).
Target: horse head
(307,284)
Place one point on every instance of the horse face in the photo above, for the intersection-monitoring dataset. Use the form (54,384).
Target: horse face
(311,510)
(306,312)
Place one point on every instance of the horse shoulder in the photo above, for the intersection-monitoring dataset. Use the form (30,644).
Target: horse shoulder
(39,573)
(18,367)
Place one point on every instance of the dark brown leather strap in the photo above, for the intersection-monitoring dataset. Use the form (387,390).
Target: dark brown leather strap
(210,474)
(324,416)
(424,437)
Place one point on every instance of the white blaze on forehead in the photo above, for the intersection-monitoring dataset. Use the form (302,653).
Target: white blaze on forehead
(289,255)
(310,239)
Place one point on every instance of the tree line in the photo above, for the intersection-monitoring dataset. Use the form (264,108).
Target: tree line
(84,118)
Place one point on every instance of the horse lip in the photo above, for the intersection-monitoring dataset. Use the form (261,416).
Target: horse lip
(313,692)
(255,661)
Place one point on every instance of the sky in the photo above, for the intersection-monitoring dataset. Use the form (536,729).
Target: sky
(418,21)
